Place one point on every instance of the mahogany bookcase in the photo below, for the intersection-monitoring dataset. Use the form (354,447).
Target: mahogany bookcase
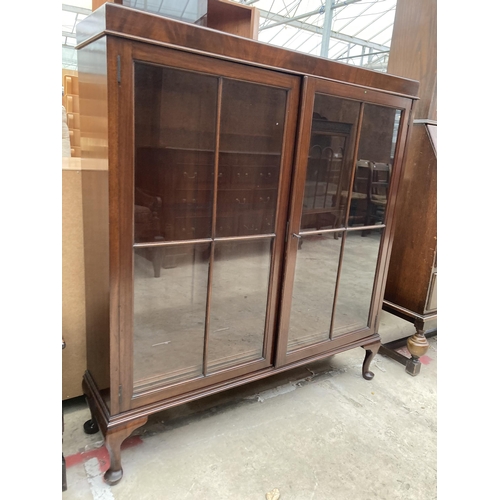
(213,157)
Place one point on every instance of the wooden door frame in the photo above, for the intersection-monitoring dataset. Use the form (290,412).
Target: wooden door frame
(122,55)
(311,87)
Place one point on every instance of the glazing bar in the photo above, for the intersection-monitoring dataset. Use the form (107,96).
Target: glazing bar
(155,244)
(214,225)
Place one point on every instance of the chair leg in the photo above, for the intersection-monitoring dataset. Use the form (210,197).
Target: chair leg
(114,440)
(157,261)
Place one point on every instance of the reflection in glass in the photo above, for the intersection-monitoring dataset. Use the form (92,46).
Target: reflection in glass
(356,281)
(379,131)
(174,122)
(169,314)
(239,302)
(313,290)
(330,162)
(251,136)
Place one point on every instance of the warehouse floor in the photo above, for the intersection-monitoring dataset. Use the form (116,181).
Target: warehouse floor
(318,432)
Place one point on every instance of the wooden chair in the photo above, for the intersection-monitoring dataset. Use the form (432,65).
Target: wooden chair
(359,210)
(322,197)
(380,176)
(323,186)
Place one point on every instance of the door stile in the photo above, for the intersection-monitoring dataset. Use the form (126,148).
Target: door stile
(310,89)
(214,225)
(348,204)
(277,264)
(125,165)
(295,211)
(121,168)
(385,251)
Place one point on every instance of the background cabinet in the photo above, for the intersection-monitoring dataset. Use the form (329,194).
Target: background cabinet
(195,278)
(411,290)
(412,276)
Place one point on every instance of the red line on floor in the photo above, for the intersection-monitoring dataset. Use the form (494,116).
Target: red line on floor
(100,453)
(425,360)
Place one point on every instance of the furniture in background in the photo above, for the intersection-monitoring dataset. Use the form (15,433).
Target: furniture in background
(231,17)
(378,188)
(411,289)
(221,128)
(66,144)
(71,103)
(326,179)
(359,213)
(188,12)
(73,279)
(64,481)
(73,288)
(222,15)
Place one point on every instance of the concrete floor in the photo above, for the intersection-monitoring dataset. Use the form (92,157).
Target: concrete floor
(318,432)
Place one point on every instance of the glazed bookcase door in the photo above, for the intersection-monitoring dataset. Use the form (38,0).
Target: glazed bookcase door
(348,161)
(209,160)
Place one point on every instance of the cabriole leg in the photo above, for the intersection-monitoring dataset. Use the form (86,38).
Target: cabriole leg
(371,350)
(114,440)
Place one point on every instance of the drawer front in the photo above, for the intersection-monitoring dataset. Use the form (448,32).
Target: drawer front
(243,176)
(267,176)
(187,228)
(194,199)
(265,199)
(193,176)
(237,200)
(227,226)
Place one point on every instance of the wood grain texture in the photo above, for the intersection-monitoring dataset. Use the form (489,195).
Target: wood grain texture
(121,215)
(414,51)
(121,175)
(74,356)
(415,238)
(97,3)
(129,23)
(233,18)
(94,121)
(121,38)
(412,265)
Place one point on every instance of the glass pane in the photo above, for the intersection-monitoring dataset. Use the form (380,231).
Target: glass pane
(313,290)
(252,121)
(330,162)
(169,313)
(175,121)
(356,281)
(239,302)
(377,144)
